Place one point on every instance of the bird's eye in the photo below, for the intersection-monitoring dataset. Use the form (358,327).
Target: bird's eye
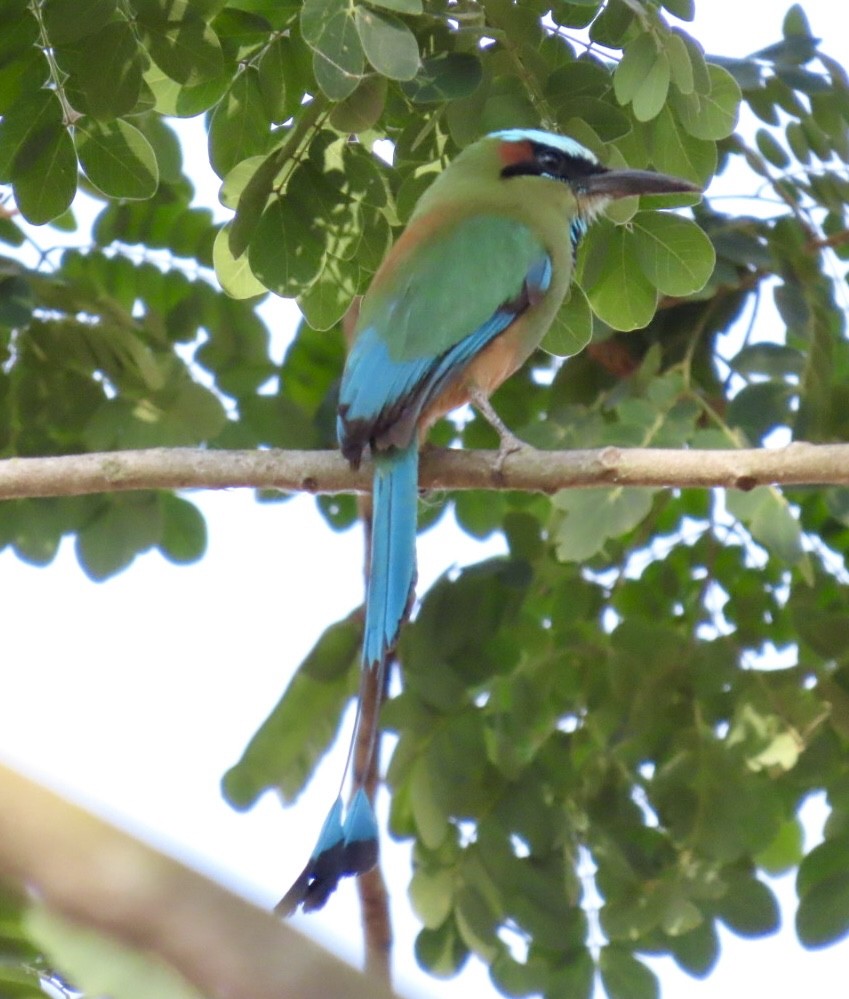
(549,160)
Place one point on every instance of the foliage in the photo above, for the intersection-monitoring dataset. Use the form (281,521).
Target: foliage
(23,969)
(645,690)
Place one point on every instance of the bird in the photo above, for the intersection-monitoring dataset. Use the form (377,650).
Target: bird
(459,303)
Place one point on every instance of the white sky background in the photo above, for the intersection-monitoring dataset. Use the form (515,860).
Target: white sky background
(135,695)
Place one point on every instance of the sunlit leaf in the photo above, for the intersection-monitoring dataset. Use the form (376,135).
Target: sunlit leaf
(117,158)
(620,294)
(338,60)
(673,252)
(234,274)
(388,43)
(713,115)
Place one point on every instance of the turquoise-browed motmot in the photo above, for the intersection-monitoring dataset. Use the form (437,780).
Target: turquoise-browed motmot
(462,299)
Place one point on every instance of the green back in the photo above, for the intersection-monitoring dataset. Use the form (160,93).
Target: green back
(451,285)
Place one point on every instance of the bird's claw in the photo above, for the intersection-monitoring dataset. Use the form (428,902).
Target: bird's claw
(510,444)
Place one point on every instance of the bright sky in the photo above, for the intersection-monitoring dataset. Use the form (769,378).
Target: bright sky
(134,696)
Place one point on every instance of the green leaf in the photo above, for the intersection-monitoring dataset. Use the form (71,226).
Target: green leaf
(66,22)
(36,529)
(749,908)
(413,7)
(329,297)
(714,115)
(117,158)
(328,28)
(238,129)
(275,79)
(759,408)
(823,914)
(771,150)
(362,109)
(685,9)
(826,861)
(16,301)
(284,253)
(674,253)
(675,151)
(447,76)
(441,952)
(680,62)
(653,90)
(388,43)
(286,748)
(697,951)
(101,965)
(744,808)
(681,917)
(104,71)
(601,119)
(513,978)
(21,129)
(774,360)
(796,22)
(191,415)
(624,977)
(594,515)
(575,977)
(23,68)
(432,895)
(572,328)
(375,240)
(785,851)
(637,61)
(174,98)
(125,526)
(180,42)
(620,295)
(10,233)
(234,273)
(42,164)
(767,514)
(21,982)
(183,530)
(798,141)
(476,921)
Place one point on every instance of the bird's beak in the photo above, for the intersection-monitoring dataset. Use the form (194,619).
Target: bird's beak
(622,183)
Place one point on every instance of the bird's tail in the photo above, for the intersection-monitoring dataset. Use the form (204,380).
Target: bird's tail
(392,570)
(349,847)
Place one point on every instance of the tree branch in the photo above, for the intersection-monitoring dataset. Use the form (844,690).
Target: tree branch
(327,472)
(95,874)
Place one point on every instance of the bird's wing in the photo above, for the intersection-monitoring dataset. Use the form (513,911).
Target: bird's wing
(431,310)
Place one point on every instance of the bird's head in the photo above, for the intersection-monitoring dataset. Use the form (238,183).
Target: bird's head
(529,152)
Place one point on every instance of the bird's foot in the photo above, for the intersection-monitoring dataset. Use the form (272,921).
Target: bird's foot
(509,442)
